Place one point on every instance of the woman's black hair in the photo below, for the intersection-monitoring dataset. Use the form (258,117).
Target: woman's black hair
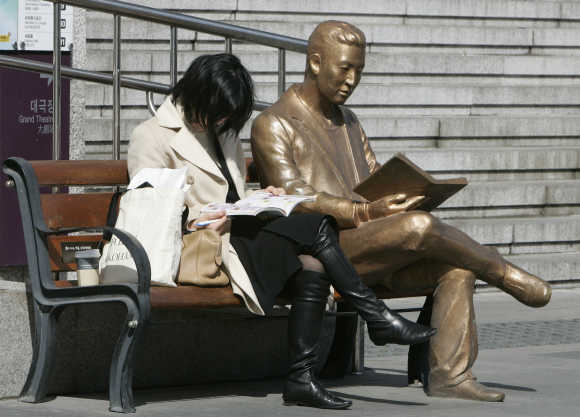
(215,88)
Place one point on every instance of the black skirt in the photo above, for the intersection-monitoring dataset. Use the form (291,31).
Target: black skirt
(269,249)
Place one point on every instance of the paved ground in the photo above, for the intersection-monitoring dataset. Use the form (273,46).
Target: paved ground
(531,354)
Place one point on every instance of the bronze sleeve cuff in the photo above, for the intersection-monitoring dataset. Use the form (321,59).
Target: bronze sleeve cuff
(361,212)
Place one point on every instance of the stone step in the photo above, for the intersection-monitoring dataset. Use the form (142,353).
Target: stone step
(514,198)
(101,27)
(489,159)
(477,164)
(550,266)
(454,97)
(422,12)
(429,132)
(487,9)
(377,64)
(524,234)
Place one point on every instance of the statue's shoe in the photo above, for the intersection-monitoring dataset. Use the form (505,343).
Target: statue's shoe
(525,287)
(469,389)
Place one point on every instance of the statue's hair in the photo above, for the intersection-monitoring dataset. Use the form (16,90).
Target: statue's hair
(332,31)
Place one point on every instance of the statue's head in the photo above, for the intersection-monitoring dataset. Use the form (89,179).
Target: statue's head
(335,59)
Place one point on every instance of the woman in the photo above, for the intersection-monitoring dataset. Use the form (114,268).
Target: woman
(197,127)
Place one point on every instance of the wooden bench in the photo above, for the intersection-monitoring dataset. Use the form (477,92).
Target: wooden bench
(48,219)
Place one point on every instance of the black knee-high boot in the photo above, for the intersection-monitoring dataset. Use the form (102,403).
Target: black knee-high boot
(310,290)
(384,326)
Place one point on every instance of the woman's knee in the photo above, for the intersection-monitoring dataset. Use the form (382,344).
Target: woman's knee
(310,263)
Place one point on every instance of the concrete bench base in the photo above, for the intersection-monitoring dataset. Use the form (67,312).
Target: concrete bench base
(178,348)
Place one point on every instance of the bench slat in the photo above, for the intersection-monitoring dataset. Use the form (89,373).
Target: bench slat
(75,210)
(81,172)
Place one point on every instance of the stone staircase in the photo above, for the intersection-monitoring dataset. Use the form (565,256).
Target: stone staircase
(487,89)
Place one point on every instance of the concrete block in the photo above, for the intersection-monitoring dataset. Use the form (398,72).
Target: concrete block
(486,231)
(320,16)
(565,37)
(509,159)
(532,65)
(101,27)
(482,22)
(102,129)
(503,231)
(557,229)
(201,5)
(521,95)
(550,266)
(383,7)
(403,127)
(501,193)
(509,127)
(131,61)
(448,35)
(487,9)
(518,142)
(570,10)
(426,48)
(178,348)
(15,338)
(488,65)
(13,273)
(541,248)
(411,34)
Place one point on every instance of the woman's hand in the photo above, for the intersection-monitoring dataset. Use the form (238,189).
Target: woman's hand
(219,222)
(274,190)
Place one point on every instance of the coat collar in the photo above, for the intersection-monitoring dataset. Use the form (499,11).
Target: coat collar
(184,142)
(170,115)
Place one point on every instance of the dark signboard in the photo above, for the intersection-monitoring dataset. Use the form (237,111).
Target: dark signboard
(26,111)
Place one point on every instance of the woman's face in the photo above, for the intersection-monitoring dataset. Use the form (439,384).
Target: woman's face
(198,127)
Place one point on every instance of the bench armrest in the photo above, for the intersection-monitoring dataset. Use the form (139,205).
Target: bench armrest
(135,249)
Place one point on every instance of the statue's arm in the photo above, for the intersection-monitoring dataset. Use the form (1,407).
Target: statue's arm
(272,145)
(369,154)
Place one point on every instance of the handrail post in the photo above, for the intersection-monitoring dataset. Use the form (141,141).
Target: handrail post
(173,57)
(228,45)
(117,87)
(281,71)
(56,82)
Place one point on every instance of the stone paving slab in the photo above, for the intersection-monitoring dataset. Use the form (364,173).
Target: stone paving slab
(539,381)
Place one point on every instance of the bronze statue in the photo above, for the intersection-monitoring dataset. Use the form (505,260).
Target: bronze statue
(309,143)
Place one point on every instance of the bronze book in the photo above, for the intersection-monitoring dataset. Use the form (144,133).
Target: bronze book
(400,175)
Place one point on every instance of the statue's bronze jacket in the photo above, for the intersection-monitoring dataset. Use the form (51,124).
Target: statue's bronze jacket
(296,149)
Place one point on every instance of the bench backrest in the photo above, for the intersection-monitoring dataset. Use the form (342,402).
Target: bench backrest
(63,209)
(41,208)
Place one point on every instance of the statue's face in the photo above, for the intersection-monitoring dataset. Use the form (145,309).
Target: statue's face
(339,71)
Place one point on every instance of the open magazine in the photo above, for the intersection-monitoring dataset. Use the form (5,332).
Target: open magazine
(257,203)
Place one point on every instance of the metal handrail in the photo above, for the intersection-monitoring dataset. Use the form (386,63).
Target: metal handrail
(192,23)
(174,20)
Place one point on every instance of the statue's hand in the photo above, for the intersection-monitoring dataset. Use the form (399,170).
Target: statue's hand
(393,203)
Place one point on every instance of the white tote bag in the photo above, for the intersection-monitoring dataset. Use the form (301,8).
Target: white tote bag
(153,216)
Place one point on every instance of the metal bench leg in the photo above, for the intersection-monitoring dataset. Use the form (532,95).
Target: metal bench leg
(43,347)
(121,374)
(358,358)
